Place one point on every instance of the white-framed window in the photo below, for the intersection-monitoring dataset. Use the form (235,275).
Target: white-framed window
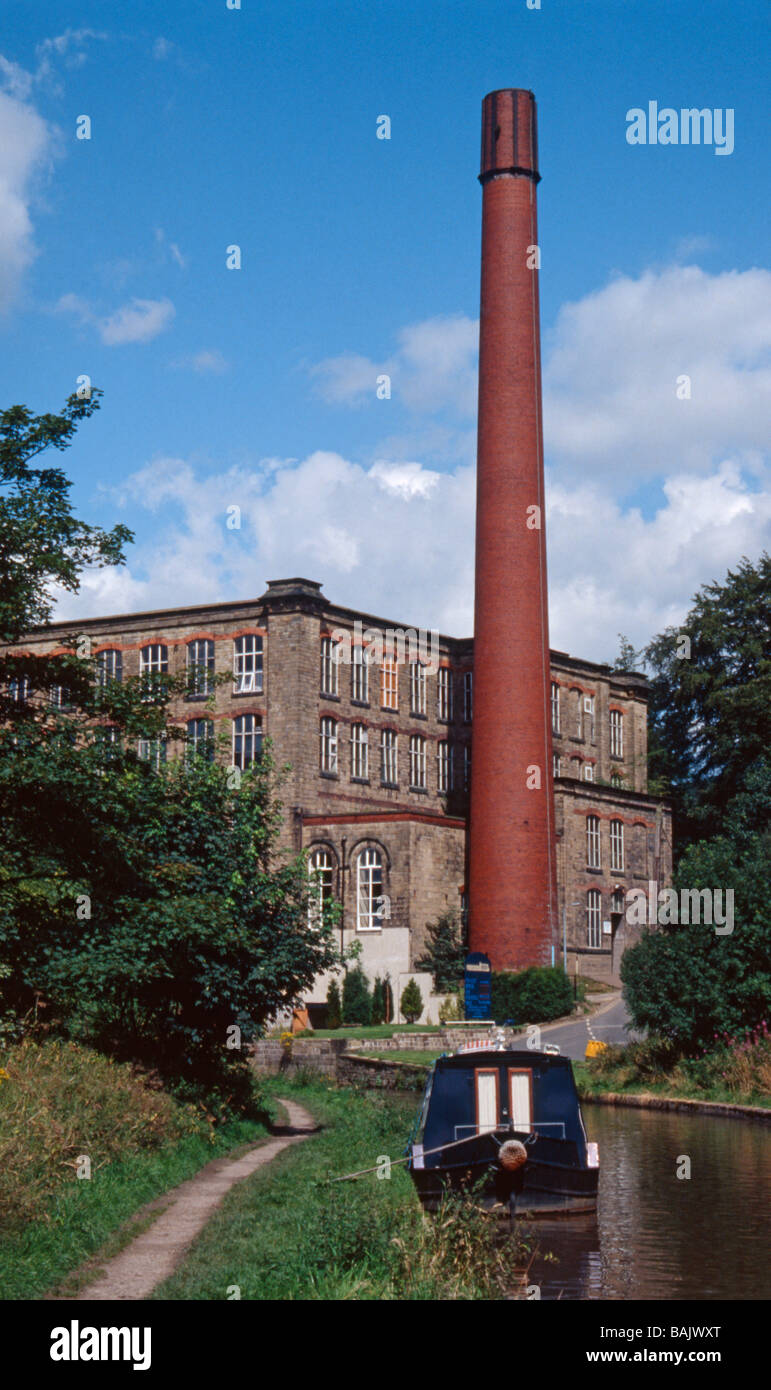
(200,666)
(19,689)
(616,734)
(59,697)
(617,846)
(444,694)
(247,664)
(109,666)
(328,744)
(588,704)
(359,751)
(417,761)
(593,859)
(557,765)
(444,767)
(200,739)
(389,761)
(154,659)
(359,676)
(389,683)
(555,708)
(616,780)
(468,696)
(329,666)
(321,875)
(593,918)
(588,772)
(417,687)
(466,767)
(369,890)
(247,740)
(617,900)
(152,751)
(577,699)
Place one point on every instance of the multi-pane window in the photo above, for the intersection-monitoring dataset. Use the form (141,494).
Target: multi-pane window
(589,717)
(321,872)
(152,751)
(389,683)
(19,689)
(616,780)
(359,751)
(369,890)
(200,666)
(444,694)
(417,687)
(200,739)
(247,740)
(59,697)
(109,665)
(153,662)
(617,901)
(247,664)
(555,708)
(328,745)
(329,666)
(444,768)
(466,767)
(578,717)
(389,757)
(593,915)
(359,676)
(557,765)
(468,695)
(417,761)
(617,846)
(593,860)
(616,734)
(588,772)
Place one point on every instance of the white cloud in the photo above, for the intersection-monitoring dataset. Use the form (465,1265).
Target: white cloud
(137,322)
(433,368)
(208,360)
(26,143)
(162,48)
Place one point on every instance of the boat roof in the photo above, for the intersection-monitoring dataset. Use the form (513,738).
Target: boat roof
(500,1056)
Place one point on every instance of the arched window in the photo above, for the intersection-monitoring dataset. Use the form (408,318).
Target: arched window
(247,740)
(247,664)
(153,663)
(444,694)
(359,752)
(200,739)
(617,846)
(417,761)
(616,734)
(593,859)
(109,665)
(321,873)
(329,666)
(200,666)
(328,744)
(417,687)
(369,890)
(593,915)
(389,758)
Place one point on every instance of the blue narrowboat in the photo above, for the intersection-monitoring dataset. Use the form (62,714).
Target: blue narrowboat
(506,1126)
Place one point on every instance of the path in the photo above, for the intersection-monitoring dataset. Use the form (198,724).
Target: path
(154,1255)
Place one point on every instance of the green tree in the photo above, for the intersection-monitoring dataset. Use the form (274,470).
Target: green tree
(357,1002)
(689,983)
(412,1001)
(334,1007)
(445,954)
(378,1001)
(710,705)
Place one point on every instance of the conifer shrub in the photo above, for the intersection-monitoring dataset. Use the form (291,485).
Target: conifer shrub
(357,1000)
(334,1006)
(412,1001)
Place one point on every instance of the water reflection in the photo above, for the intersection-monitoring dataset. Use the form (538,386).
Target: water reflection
(659,1237)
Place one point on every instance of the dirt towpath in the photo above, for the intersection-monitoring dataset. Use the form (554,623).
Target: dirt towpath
(154,1255)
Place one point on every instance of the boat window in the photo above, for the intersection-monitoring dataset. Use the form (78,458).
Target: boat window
(487,1100)
(521,1097)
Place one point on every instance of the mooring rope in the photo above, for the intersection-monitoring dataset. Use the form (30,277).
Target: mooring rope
(453,1144)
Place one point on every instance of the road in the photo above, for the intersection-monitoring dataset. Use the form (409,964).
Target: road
(609,1024)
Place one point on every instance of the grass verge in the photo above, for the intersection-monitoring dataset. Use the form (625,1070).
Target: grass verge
(733,1073)
(287,1233)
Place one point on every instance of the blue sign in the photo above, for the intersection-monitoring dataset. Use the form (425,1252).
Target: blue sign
(477,986)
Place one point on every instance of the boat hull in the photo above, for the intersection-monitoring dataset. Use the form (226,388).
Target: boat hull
(538,1190)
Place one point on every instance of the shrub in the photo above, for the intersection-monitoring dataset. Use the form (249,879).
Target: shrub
(412,1001)
(530,996)
(445,955)
(378,1001)
(357,1002)
(334,1007)
(451,1010)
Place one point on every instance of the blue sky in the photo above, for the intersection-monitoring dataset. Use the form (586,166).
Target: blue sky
(255,387)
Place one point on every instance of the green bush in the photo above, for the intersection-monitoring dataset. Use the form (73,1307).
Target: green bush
(334,1007)
(357,1001)
(378,1001)
(451,1010)
(531,996)
(412,1001)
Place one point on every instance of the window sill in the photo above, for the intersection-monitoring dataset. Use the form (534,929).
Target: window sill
(361,781)
(243,694)
(590,870)
(419,791)
(391,786)
(332,776)
(389,709)
(360,704)
(414,714)
(327,695)
(195,699)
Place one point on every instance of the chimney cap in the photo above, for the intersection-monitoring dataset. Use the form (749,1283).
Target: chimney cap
(509,134)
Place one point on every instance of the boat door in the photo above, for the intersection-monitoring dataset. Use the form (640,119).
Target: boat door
(486,1089)
(521,1098)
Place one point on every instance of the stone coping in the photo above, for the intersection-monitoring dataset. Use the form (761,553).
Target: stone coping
(683,1104)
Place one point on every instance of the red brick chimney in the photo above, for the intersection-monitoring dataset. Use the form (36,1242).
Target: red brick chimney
(512,871)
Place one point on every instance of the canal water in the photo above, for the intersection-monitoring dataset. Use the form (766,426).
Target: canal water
(657,1236)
